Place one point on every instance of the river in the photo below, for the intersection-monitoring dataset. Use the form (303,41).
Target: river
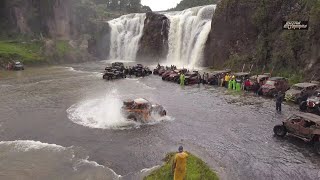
(63,122)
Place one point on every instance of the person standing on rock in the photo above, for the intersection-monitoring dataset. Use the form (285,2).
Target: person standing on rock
(179,166)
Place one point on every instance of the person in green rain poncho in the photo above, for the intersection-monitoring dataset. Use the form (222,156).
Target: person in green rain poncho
(234,82)
(230,84)
(182,79)
(238,85)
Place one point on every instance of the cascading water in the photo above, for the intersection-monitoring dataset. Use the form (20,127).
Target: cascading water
(188,34)
(126,32)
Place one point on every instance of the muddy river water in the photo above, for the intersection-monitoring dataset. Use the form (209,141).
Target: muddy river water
(64,122)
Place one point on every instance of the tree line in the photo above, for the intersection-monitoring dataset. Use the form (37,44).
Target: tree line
(130,6)
(185,4)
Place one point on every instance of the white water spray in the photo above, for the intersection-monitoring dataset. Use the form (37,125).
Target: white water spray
(104,113)
(126,32)
(188,34)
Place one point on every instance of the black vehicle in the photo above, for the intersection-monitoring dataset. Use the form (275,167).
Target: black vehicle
(17,66)
(118,65)
(111,74)
(216,75)
(156,70)
(140,71)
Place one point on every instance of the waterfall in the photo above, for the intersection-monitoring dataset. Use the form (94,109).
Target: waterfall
(188,33)
(126,32)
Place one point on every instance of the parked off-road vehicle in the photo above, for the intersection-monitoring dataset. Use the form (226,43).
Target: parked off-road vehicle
(141,110)
(274,85)
(240,77)
(257,81)
(191,78)
(17,66)
(111,74)
(118,65)
(305,126)
(214,76)
(312,104)
(165,76)
(300,92)
(158,69)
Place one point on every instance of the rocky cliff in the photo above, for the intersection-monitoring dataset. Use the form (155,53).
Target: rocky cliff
(246,31)
(154,41)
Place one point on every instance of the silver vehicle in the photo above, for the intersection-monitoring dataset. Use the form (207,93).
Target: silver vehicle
(18,66)
(300,92)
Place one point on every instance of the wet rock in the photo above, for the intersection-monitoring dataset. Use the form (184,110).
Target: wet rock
(153,44)
(99,43)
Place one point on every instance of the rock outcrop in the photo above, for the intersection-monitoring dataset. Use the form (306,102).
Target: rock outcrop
(99,43)
(153,44)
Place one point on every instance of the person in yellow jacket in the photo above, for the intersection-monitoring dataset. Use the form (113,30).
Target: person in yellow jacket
(179,166)
(226,80)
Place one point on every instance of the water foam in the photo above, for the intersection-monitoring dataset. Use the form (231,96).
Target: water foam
(105,113)
(29,145)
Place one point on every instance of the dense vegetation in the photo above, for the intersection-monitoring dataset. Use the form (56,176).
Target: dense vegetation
(257,37)
(126,6)
(196,169)
(185,4)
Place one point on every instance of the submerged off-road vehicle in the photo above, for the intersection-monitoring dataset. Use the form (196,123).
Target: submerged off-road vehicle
(305,126)
(141,110)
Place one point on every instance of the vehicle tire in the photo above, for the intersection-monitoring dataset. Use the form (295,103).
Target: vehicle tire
(132,117)
(163,113)
(303,106)
(309,110)
(22,68)
(280,130)
(109,78)
(317,147)
(104,77)
(299,100)
(178,82)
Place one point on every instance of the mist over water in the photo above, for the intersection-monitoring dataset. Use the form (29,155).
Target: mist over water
(126,32)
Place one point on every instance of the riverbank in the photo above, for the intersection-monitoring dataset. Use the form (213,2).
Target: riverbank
(42,52)
(196,169)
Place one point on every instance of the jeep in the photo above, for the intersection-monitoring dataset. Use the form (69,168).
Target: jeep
(305,126)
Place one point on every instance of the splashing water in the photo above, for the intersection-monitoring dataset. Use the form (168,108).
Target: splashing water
(106,113)
(102,113)
(126,32)
(188,34)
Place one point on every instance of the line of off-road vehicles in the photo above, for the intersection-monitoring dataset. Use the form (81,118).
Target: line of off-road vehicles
(117,70)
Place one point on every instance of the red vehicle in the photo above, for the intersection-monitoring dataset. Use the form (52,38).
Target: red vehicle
(274,85)
(166,75)
(191,78)
(161,71)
